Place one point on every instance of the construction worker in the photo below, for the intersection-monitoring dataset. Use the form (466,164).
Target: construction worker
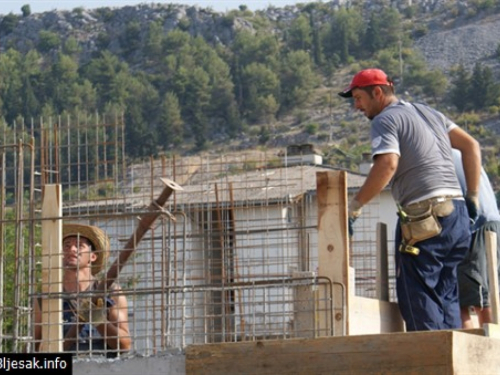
(102,326)
(473,271)
(411,149)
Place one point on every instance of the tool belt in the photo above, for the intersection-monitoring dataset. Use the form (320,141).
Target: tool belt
(419,221)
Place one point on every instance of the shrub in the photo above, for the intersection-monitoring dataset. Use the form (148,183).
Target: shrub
(312,128)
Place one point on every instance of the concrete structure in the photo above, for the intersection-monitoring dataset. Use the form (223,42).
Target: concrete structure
(248,251)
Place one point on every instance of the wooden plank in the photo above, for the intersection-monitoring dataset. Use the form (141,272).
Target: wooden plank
(473,331)
(51,269)
(382,262)
(492,262)
(333,249)
(426,353)
(492,330)
(369,315)
(474,354)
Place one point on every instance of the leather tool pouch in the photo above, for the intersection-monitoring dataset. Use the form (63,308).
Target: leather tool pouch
(416,228)
(443,209)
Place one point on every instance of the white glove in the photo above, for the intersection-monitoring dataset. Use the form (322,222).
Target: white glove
(90,312)
(354,209)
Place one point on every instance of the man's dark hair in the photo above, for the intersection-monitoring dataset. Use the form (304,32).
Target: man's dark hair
(386,89)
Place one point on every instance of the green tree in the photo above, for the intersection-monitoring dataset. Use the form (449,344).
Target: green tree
(153,43)
(48,40)
(483,91)
(109,76)
(434,83)
(141,101)
(11,83)
(196,101)
(261,88)
(261,48)
(461,84)
(222,108)
(300,34)
(297,79)
(390,27)
(26,10)
(373,39)
(60,80)
(316,40)
(345,34)
(83,98)
(71,46)
(8,24)
(170,128)
(176,43)
(492,89)
(130,41)
(32,90)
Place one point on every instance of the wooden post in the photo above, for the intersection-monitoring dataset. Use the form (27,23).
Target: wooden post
(333,248)
(51,307)
(383,267)
(492,261)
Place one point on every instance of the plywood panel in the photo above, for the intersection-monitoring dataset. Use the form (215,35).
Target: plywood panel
(368,315)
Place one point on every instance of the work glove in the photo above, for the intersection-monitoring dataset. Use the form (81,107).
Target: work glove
(353,213)
(472,202)
(90,312)
(350,223)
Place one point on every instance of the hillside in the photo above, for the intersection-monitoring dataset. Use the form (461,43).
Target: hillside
(130,46)
(467,42)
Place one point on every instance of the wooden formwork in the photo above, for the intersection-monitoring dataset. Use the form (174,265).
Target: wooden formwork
(369,335)
(360,315)
(426,353)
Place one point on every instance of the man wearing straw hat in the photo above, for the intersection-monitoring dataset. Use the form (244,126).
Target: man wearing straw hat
(103,325)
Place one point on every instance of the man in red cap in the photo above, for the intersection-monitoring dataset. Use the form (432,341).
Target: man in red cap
(412,150)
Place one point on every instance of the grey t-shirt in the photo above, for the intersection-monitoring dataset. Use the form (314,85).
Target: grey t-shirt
(420,138)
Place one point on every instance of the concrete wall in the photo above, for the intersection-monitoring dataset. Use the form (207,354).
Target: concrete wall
(165,364)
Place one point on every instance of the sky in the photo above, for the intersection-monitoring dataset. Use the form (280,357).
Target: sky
(39,6)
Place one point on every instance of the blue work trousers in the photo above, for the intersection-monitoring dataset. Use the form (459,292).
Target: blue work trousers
(427,285)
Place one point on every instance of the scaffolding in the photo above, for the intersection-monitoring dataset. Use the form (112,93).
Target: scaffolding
(231,256)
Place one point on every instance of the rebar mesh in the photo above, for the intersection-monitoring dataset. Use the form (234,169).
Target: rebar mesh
(231,257)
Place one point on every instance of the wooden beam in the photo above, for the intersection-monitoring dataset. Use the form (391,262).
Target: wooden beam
(383,265)
(333,248)
(420,353)
(492,262)
(51,307)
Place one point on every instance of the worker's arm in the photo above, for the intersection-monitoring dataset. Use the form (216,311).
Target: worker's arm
(116,329)
(471,157)
(381,173)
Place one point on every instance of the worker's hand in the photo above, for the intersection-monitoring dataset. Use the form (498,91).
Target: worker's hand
(355,209)
(472,202)
(350,223)
(354,213)
(90,312)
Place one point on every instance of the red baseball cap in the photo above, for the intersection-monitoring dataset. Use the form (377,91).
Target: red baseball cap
(367,77)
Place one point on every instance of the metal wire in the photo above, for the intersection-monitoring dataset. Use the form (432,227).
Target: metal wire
(232,256)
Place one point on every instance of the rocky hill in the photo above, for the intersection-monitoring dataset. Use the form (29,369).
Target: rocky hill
(446,32)
(457,31)
(466,42)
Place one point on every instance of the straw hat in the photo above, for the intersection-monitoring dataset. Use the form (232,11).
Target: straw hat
(96,236)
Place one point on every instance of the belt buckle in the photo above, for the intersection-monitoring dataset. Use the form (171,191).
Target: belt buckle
(440,199)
